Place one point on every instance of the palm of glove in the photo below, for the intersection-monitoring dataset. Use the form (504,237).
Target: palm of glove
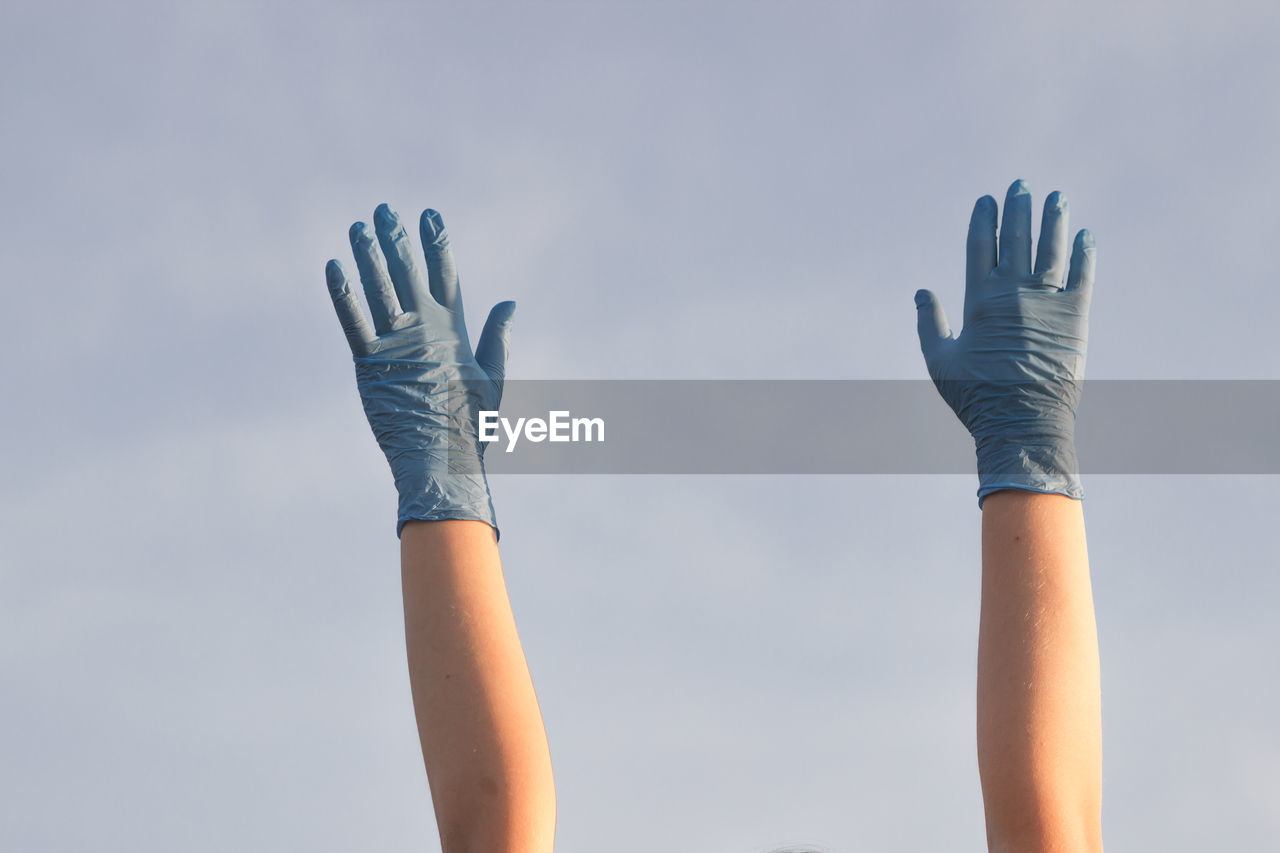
(427,404)
(1021,351)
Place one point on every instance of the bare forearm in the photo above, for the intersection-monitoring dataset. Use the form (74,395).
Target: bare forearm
(1039,704)
(482,734)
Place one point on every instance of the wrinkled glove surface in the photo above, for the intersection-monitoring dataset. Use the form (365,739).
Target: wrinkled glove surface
(419,381)
(1015,372)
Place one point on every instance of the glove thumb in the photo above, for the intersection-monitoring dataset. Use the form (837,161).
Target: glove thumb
(931,322)
(491,351)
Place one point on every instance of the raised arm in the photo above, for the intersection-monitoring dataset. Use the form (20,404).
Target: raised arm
(482,735)
(1013,376)
(478,719)
(1039,702)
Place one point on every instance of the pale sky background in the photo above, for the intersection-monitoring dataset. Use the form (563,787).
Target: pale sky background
(201,645)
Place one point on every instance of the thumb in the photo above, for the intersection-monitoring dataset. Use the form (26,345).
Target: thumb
(931,321)
(491,351)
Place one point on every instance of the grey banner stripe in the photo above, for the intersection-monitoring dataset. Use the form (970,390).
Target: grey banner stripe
(877,427)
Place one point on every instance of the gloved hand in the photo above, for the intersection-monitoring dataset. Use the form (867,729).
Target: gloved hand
(1014,374)
(420,384)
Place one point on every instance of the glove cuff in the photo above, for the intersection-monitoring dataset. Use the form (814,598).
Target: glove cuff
(432,495)
(1043,461)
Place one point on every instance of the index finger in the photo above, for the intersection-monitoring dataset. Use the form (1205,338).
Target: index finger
(980,250)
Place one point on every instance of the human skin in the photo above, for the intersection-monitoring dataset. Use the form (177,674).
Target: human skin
(1039,688)
(483,740)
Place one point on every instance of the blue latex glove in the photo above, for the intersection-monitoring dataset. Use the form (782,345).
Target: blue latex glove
(1014,374)
(419,381)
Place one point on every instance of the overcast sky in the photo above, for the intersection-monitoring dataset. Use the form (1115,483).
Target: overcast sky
(201,645)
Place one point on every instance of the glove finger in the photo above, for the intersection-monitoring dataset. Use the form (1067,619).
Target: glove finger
(406,278)
(980,250)
(931,322)
(1015,232)
(442,275)
(491,351)
(350,315)
(1051,253)
(383,304)
(1083,260)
